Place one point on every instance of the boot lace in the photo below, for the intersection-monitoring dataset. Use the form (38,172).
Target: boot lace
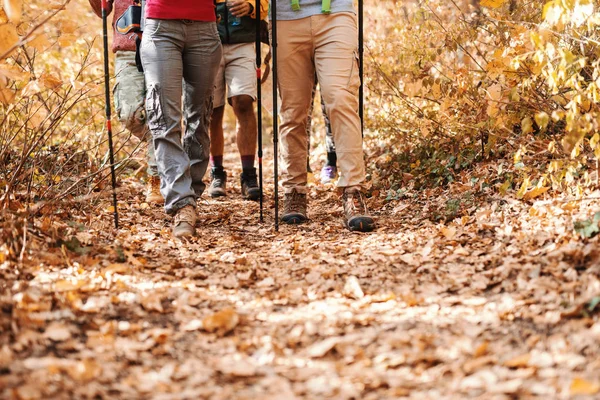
(355,203)
(186,214)
(296,202)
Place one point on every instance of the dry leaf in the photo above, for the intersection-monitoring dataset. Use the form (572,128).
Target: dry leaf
(352,288)
(221,322)
(580,386)
(521,361)
(13,10)
(319,349)
(57,332)
(8,37)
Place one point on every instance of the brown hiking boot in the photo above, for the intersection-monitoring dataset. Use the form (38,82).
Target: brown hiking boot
(294,208)
(185,222)
(356,214)
(153,195)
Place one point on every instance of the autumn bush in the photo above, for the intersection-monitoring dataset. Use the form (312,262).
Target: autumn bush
(452,83)
(52,142)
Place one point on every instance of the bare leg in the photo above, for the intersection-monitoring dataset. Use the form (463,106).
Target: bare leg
(243,107)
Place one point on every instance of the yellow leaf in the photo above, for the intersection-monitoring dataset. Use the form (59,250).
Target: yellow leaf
(492,3)
(40,42)
(581,386)
(8,37)
(535,192)
(542,119)
(527,125)
(523,188)
(14,10)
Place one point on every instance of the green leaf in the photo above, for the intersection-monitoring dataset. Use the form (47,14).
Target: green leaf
(593,304)
(589,227)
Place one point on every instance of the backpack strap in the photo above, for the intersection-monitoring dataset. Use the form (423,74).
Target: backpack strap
(325,6)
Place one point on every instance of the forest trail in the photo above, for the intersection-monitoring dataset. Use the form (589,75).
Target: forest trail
(489,304)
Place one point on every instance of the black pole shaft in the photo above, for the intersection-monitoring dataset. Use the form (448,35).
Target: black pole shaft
(108,112)
(259,106)
(361,90)
(275,110)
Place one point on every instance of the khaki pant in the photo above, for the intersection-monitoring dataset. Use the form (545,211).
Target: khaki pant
(327,45)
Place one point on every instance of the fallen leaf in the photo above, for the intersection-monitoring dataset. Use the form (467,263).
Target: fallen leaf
(580,386)
(352,288)
(521,361)
(321,348)
(57,332)
(221,322)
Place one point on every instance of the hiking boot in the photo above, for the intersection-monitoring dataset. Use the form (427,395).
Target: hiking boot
(249,183)
(328,173)
(185,222)
(294,208)
(153,195)
(218,182)
(356,214)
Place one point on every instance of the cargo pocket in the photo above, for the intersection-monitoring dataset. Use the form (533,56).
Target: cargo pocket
(354,78)
(154,109)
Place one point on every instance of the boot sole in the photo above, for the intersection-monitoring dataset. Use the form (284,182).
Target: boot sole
(360,224)
(294,219)
(253,195)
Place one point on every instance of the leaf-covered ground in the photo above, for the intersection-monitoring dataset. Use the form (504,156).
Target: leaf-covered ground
(497,301)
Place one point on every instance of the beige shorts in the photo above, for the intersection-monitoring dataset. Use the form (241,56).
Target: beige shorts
(237,73)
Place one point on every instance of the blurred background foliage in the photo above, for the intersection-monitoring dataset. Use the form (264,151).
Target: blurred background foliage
(497,94)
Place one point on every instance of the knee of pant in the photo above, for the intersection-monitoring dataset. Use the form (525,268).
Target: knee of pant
(343,98)
(242,104)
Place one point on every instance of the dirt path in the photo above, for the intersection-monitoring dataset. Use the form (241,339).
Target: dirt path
(473,308)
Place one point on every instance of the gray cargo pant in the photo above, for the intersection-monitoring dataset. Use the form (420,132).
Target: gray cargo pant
(173,50)
(129,93)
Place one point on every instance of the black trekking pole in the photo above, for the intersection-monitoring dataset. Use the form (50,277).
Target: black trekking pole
(275,111)
(361,90)
(108,117)
(259,105)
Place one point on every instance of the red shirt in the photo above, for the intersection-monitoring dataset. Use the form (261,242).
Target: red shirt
(195,10)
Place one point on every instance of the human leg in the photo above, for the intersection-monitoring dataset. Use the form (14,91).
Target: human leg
(201,59)
(296,79)
(129,93)
(336,62)
(161,53)
(218,176)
